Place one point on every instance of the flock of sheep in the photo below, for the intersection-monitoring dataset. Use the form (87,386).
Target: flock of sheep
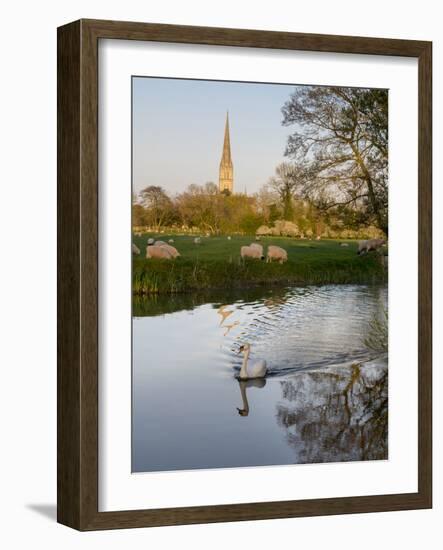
(163,250)
(255,251)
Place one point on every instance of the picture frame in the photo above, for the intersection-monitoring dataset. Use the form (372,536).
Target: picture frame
(78,246)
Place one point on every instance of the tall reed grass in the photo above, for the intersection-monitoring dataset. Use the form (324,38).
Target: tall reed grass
(187,275)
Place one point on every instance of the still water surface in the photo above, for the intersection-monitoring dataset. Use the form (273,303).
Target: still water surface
(324,399)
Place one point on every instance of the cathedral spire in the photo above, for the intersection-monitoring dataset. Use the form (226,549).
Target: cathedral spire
(227,142)
(226,176)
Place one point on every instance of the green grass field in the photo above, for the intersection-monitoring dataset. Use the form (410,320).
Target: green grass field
(216,264)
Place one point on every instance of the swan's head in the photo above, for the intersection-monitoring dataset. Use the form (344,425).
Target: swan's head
(244,347)
(242,412)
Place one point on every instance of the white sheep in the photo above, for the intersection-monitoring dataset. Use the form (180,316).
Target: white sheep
(197,240)
(135,249)
(258,247)
(171,249)
(150,241)
(317,238)
(159,243)
(229,238)
(251,252)
(371,244)
(158,252)
(344,244)
(276,253)
(257,238)
(171,241)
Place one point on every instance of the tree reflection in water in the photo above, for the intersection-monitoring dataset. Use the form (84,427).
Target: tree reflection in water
(336,415)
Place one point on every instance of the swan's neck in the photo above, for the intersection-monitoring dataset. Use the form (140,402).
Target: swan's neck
(244,367)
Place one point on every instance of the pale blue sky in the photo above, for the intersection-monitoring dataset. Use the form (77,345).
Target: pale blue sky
(178,128)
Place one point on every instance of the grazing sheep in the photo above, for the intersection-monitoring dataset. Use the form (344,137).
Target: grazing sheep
(344,244)
(172,250)
(258,247)
(150,241)
(229,238)
(251,252)
(160,243)
(135,249)
(317,238)
(158,252)
(257,238)
(171,241)
(371,244)
(276,253)
(197,240)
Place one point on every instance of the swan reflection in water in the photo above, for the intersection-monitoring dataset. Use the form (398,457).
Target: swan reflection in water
(333,414)
(244,385)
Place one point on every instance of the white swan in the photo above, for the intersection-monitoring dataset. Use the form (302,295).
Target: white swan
(257,370)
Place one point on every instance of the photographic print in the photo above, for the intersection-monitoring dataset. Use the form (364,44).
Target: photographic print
(259,274)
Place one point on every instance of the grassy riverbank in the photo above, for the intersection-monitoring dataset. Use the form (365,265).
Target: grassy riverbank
(216,264)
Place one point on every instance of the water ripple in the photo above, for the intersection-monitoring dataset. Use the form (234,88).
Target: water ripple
(305,328)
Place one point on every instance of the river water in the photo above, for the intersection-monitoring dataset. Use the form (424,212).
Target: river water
(325,398)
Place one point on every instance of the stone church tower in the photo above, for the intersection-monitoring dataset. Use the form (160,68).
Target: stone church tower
(226,176)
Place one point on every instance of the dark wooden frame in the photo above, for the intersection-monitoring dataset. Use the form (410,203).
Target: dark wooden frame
(77,456)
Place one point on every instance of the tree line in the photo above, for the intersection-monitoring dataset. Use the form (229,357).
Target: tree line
(336,173)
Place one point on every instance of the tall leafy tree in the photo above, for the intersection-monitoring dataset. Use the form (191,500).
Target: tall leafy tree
(341,139)
(288,178)
(157,204)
